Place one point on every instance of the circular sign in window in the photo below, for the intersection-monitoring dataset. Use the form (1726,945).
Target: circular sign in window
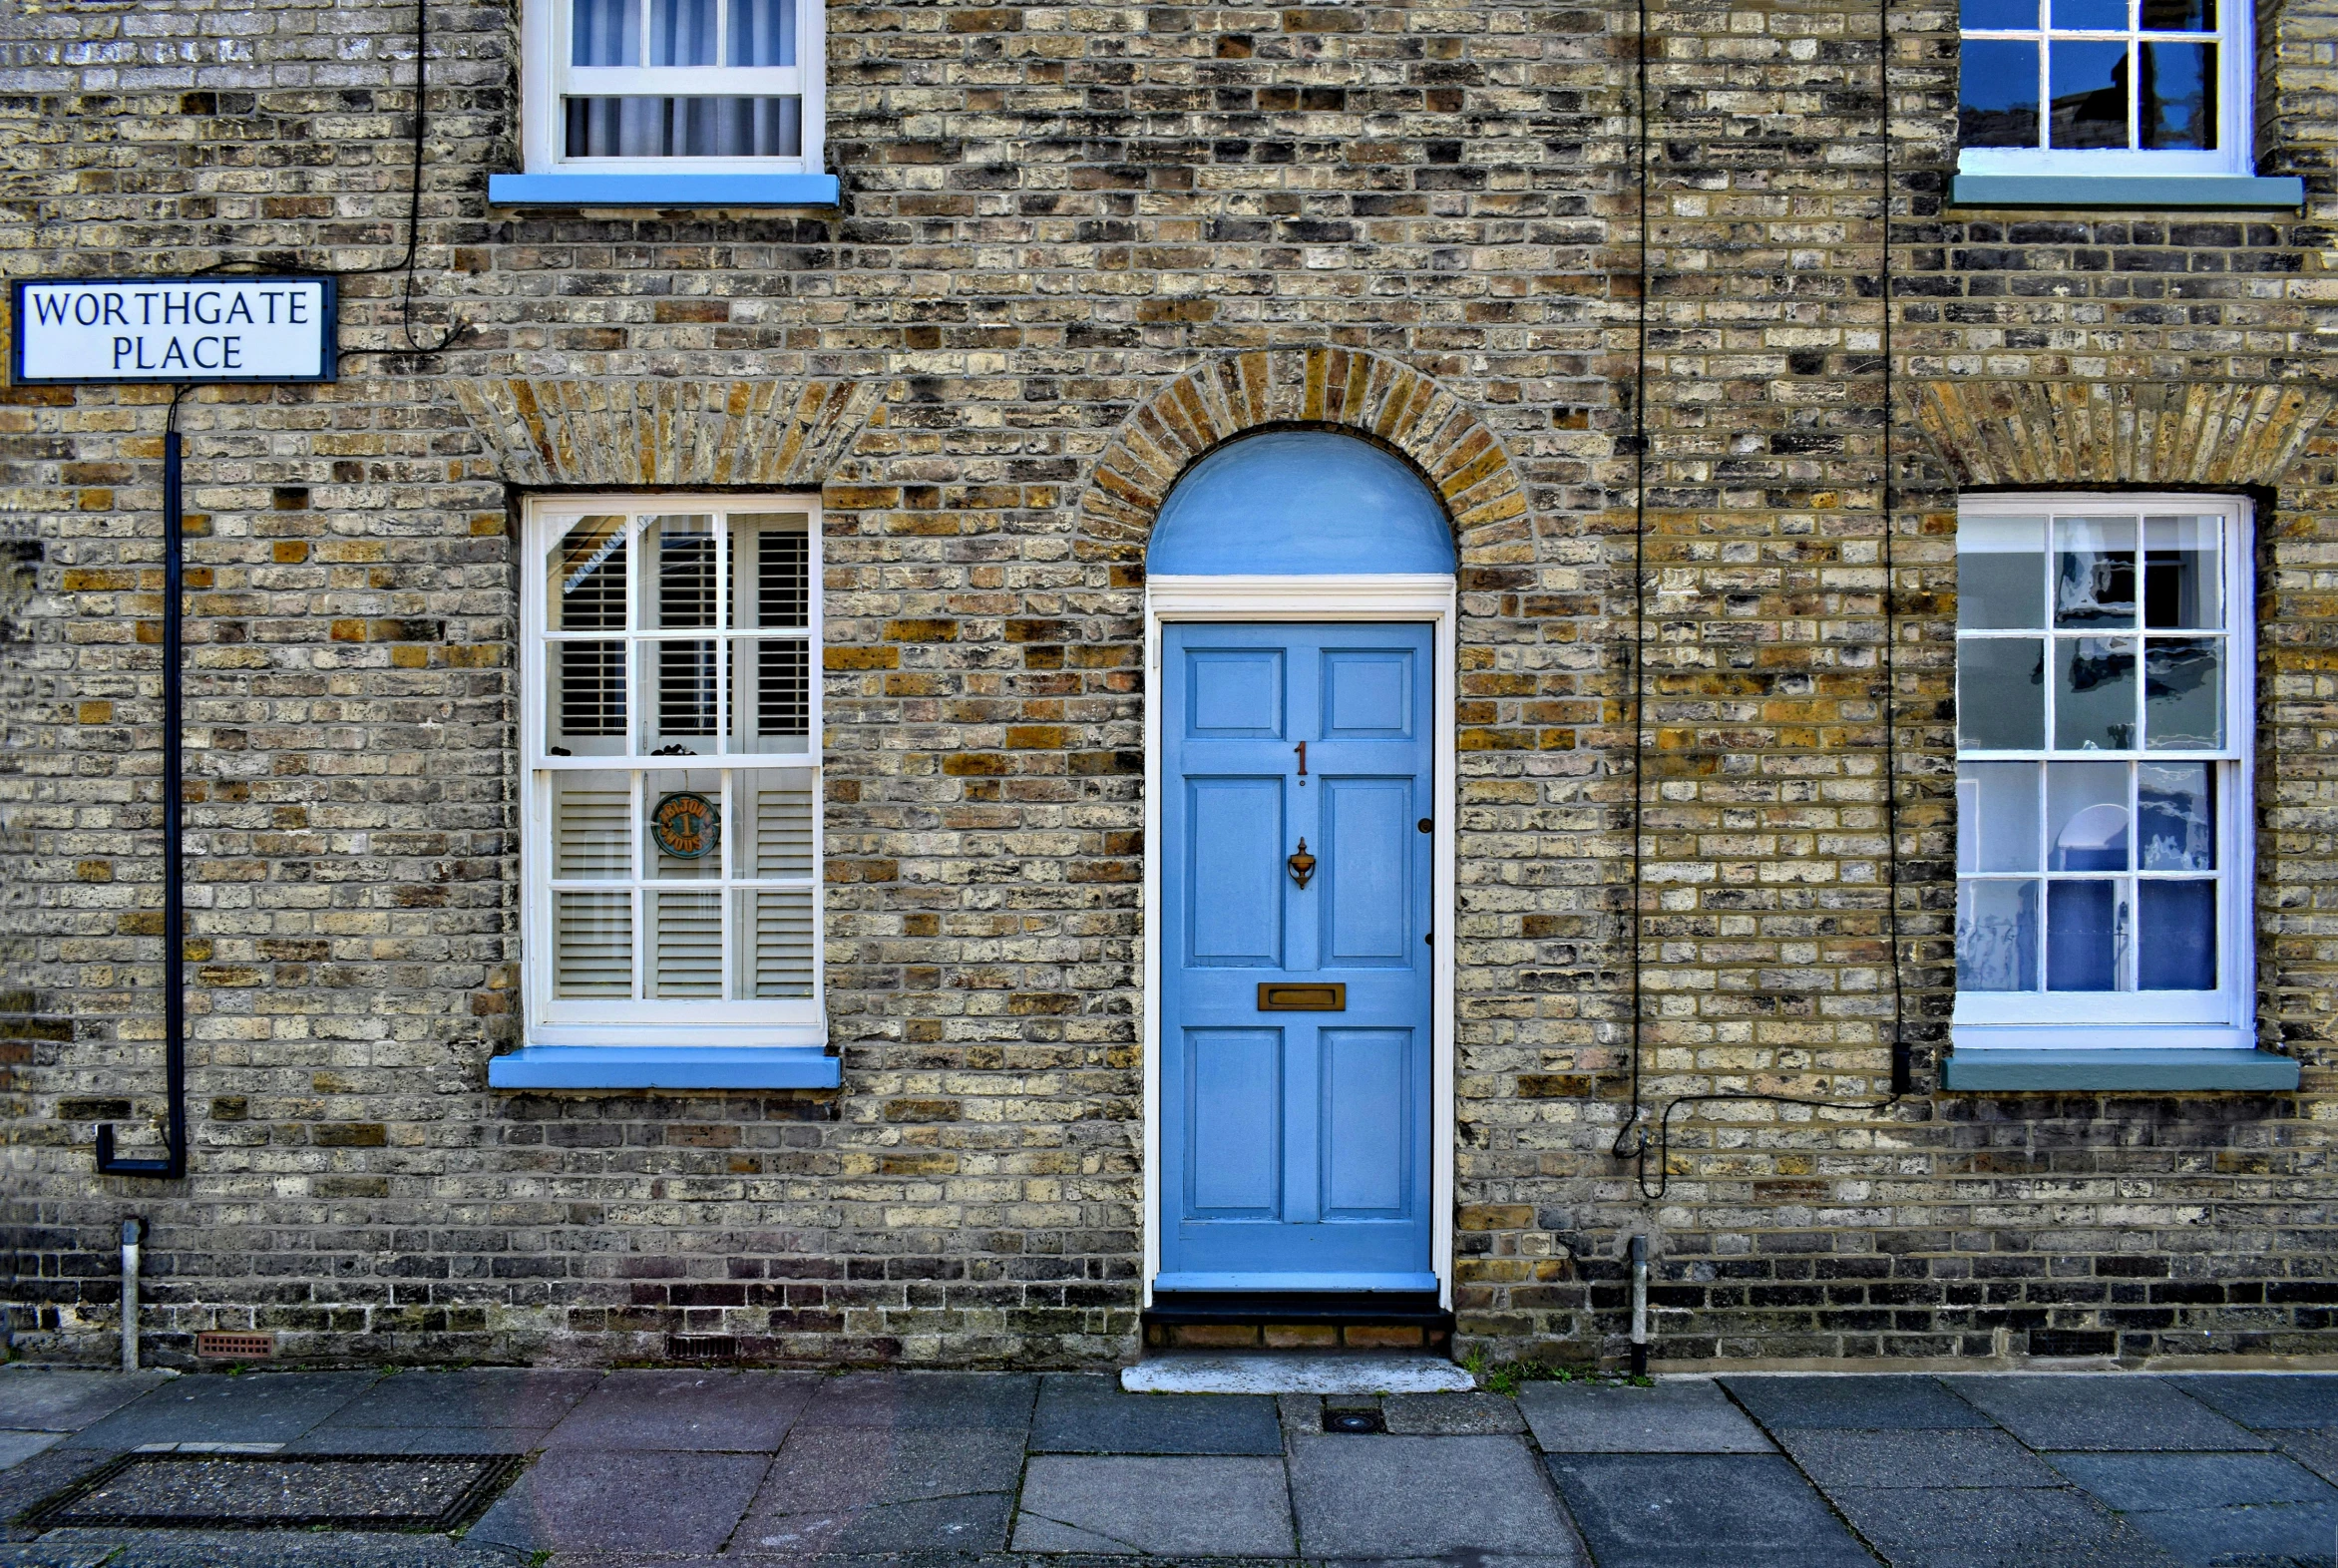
(686,825)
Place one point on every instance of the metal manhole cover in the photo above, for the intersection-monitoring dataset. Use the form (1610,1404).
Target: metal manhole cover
(269,1491)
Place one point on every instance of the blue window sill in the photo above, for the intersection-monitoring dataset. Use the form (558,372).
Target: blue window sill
(663,190)
(2135,192)
(666,1068)
(2157,1071)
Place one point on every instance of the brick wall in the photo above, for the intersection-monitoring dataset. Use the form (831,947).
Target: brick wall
(1052,217)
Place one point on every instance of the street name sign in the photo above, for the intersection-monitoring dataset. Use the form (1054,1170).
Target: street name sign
(174,329)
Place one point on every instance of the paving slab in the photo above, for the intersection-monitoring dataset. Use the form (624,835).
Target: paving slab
(64,1399)
(214,1407)
(2033,1527)
(922,1525)
(1199,1372)
(1702,1510)
(2265,1399)
(1678,1416)
(1161,1504)
(421,1440)
(2149,1482)
(1389,1497)
(825,1468)
(1942,1456)
(16,1448)
(1868,1401)
(2108,1412)
(992,1400)
(26,1483)
(2315,1447)
(2289,1535)
(475,1396)
(699,1411)
(1450,1414)
(622,1500)
(1082,1414)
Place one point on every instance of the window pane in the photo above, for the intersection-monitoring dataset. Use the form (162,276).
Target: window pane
(678,579)
(585,699)
(778,839)
(2094,571)
(763,32)
(593,944)
(685,126)
(2175,96)
(2085,927)
(772,566)
(2180,16)
(585,577)
(592,825)
(771,695)
(776,946)
(1997,935)
(1997,816)
(2176,943)
(2089,16)
(2181,574)
(682,32)
(2183,693)
(2094,693)
(1997,93)
(1999,693)
(2086,816)
(1998,16)
(605,33)
(2001,574)
(2175,810)
(686,942)
(684,706)
(682,826)
(2089,88)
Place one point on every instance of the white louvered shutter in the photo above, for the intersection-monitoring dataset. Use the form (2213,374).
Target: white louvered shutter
(783,942)
(593,944)
(686,949)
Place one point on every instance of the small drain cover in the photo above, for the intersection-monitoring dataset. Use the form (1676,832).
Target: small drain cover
(1354,1422)
(267,1491)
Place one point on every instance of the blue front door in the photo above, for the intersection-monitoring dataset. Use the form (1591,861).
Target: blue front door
(1295,1020)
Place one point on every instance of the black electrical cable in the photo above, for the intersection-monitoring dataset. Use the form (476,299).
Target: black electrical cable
(1626,1147)
(173,1163)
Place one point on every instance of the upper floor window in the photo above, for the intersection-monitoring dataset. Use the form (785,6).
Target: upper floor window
(2107,87)
(703,85)
(672,846)
(2103,768)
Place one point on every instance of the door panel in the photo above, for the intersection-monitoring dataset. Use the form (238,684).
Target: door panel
(1234,1097)
(1294,1144)
(1367,1084)
(1367,870)
(1235,871)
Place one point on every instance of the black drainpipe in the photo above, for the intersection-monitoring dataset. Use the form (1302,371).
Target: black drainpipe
(174,1164)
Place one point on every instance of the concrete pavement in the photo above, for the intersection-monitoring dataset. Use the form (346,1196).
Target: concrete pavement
(697,1467)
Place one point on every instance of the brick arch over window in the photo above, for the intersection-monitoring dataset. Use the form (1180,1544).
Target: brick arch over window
(624,434)
(2120,433)
(1328,388)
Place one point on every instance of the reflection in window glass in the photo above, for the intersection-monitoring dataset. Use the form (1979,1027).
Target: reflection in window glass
(2086,816)
(2094,571)
(1997,94)
(1997,935)
(2175,96)
(2085,933)
(2181,574)
(2087,83)
(2175,944)
(2183,693)
(2176,815)
(2001,694)
(1997,816)
(2094,694)
(2001,574)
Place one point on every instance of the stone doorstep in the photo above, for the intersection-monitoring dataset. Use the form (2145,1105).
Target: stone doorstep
(1350,1373)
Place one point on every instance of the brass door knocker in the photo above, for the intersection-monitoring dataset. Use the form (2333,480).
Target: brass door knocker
(1302,864)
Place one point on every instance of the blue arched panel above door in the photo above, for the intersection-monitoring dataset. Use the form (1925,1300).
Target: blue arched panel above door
(1300,502)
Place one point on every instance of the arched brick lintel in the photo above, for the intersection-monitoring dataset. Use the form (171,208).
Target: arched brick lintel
(2120,433)
(623,434)
(1334,388)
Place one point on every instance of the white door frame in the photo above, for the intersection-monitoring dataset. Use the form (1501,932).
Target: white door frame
(1429,597)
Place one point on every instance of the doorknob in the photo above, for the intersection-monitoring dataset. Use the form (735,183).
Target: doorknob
(1302,864)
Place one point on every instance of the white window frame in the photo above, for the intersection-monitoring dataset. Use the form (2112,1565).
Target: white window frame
(546,77)
(2126,1020)
(2234,152)
(553,1020)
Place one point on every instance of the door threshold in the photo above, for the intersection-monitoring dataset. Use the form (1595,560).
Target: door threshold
(1377,1307)
(1201,1371)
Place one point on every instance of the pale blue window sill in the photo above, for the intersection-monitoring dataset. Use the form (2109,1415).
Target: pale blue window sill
(663,190)
(2133,192)
(2109,1069)
(666,1068)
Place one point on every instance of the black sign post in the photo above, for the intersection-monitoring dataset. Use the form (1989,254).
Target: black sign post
(182,332)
